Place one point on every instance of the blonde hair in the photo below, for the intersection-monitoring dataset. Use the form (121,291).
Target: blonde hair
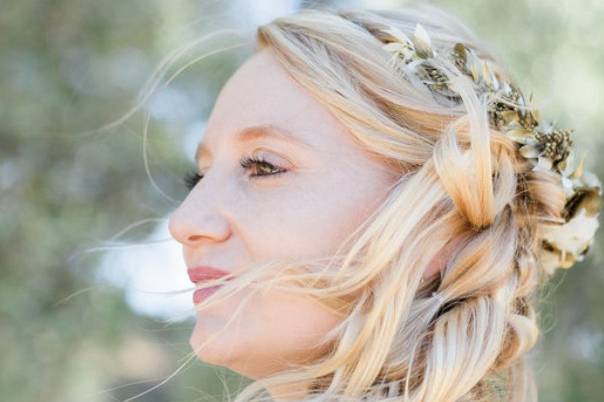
(461,181)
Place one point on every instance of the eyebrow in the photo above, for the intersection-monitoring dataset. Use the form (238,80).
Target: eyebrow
(256,132)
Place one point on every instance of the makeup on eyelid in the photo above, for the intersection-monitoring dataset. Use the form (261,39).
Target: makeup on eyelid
(192,178)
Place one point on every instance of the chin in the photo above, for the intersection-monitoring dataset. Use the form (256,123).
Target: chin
(209,353)
(230,351)
(218,351)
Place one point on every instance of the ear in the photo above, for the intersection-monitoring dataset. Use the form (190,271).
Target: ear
(437,264)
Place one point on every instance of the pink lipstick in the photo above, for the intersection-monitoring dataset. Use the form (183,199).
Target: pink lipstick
(202,274)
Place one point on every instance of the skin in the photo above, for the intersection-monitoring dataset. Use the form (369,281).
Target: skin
(229,218)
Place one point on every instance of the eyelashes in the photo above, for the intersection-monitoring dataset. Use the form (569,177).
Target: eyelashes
(191,178)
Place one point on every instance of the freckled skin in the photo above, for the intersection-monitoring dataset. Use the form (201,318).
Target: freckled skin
(229,219)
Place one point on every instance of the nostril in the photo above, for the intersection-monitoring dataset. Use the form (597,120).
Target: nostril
(194,237)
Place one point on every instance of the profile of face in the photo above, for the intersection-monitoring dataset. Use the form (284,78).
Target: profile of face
(315,186)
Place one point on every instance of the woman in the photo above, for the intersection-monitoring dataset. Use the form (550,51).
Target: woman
(375,207)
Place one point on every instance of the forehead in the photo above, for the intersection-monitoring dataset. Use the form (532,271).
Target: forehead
(262,93)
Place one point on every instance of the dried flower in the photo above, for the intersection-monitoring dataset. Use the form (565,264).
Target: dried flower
(547,147)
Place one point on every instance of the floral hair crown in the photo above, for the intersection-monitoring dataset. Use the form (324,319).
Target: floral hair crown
(545,146)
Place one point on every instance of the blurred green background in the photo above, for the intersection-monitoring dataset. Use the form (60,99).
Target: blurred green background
(79,323)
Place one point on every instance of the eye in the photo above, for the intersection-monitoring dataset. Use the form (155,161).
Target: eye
(265,168)
(191,178)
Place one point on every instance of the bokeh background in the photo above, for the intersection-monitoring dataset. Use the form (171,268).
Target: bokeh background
(88,274)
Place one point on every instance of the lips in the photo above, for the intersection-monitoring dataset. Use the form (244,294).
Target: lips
(204,273)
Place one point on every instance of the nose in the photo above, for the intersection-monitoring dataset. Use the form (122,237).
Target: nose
(195,221)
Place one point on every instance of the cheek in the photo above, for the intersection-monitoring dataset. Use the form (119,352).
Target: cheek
(293,322)
(314,219)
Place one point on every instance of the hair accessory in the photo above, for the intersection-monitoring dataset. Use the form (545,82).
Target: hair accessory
(546,147)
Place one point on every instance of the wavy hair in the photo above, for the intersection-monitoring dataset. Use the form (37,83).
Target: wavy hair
(464,333)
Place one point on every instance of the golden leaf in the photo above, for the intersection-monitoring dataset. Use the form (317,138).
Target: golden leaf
(393,47)
(487,75)
(400,36)
(529,151)
(535,115)
(579,169)
(567,260)
(522,135)
(509,116)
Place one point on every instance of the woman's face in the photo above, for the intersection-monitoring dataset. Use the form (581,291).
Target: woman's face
(328,185)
